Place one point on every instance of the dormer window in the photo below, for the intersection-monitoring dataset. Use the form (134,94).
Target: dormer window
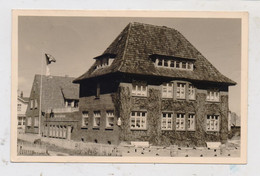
(104,60)
(71,103)
(174,63)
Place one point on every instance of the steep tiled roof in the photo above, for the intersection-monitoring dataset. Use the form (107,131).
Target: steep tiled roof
(137,42)
(54,90)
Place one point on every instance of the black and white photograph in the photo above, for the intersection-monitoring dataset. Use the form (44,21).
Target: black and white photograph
(111,86)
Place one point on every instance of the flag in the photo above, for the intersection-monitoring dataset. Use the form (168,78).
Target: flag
(49,59)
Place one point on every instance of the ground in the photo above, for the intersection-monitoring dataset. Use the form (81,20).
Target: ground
(33,144)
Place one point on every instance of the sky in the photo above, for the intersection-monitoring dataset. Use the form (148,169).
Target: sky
(75,41)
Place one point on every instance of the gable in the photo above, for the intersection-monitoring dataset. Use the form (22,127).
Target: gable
(51,92)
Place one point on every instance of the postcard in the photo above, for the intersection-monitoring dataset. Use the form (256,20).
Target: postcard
(129,86)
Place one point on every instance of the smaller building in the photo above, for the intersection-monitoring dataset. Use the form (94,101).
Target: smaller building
(234,124)
(53,103)
(22,103)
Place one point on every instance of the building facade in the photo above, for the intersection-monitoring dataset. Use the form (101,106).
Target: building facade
(151,84)
(22,103)
(53,103)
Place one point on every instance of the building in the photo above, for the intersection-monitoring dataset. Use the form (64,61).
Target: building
(58,105)
(151,84)
(234,124)
(22,103)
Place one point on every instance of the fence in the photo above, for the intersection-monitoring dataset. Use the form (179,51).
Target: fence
(26,148)
(82,148)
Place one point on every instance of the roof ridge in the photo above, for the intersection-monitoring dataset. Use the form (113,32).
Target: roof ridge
(152,25)
(57,76)
(126,44)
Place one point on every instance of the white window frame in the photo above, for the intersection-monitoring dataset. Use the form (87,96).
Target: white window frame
(50,130)
(213,96)
(110,115)
(180,122)
(181,90)
(167,90)
(191,122)
(97,115)
(85,117)
(36,121)
(29,121)
(212,123)
(19,107)
(64,132)
(183,65)
(166,119)
(142,92)
(35,103)
(192,93)
(190,64)
(140,116)
(31,104)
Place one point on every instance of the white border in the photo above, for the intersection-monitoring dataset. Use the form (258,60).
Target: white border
(137,13)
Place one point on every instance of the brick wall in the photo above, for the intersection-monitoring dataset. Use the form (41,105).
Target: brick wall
(90,133)
(154,105)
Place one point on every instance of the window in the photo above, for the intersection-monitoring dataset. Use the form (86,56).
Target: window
(191,122)
(36,121)
(138,120)
(166,63)
(212,95)
(177,64)
(212,123)
(64,132)
(69,103)
(50,131)
(139,90)
(191,92)
(85,119)
(76,103)
(98,91)
(35,103)
(159,62)
(104,62)
(167,90)
(172,65)
(31,104)
(19,107)
(183,65)
(20,121)
(110,119)
(97,117)
(181,90)
(166,121)
(190,66)
(29,121)
(180,121)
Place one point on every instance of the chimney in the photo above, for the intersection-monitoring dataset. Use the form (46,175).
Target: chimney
(21,95)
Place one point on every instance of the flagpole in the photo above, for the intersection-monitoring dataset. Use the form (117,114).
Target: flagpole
(40,108)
